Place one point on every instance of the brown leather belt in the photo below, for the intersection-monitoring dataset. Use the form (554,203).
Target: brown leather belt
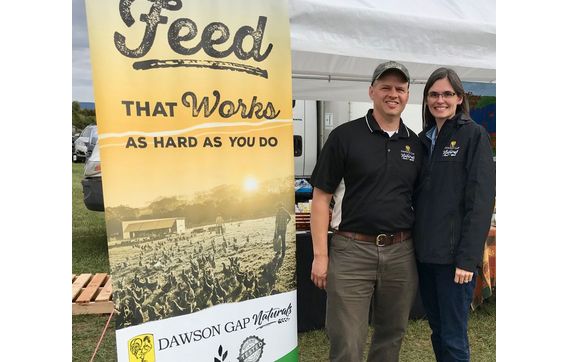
(379,240)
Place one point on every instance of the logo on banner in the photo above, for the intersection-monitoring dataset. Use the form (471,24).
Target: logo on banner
(222,355)
(183,30)
(141,348)
(251,349)
(407,154)
(450,151)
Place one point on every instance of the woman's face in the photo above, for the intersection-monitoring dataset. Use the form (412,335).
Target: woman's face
(442,100)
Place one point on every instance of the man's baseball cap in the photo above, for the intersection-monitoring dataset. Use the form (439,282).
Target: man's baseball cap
(391,65)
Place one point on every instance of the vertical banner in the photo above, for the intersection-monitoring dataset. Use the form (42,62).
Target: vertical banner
(195,135)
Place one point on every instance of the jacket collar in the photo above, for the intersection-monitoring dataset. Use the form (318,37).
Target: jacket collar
(374,127)
(456,121)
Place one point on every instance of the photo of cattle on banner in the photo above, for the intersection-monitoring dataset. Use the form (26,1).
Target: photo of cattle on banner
(166,267)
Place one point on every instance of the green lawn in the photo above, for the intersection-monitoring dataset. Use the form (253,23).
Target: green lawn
(89,255)
(89,243)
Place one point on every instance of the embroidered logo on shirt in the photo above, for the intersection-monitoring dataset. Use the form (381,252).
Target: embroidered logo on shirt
(450,151)
(407,154)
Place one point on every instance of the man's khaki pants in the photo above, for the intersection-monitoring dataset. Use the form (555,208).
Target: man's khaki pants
(360,273)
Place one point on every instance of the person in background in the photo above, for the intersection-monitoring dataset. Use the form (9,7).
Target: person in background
(454,204)
(219,225)
(369,167)
(282,218)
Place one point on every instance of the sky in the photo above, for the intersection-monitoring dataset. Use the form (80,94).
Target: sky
(82,90)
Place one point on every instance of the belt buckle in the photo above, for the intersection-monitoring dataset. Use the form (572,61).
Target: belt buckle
(382,238)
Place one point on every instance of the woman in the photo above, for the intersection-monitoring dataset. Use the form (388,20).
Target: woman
(453,205)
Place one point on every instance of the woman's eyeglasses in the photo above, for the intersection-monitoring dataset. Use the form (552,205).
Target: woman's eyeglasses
(445,95)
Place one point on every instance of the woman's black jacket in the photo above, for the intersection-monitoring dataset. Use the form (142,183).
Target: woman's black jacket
(455,198)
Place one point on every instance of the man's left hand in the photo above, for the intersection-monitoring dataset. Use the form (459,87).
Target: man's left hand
(462,276)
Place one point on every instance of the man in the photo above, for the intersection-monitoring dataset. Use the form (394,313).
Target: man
(219,225)
(282,218)
(369,167)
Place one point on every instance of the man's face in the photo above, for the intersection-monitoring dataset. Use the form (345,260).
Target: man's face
(389,94)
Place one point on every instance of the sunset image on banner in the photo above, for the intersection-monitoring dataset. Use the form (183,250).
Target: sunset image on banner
(194,113)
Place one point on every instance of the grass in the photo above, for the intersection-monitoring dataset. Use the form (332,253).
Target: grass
(89,243)
(90,255)
(314,345)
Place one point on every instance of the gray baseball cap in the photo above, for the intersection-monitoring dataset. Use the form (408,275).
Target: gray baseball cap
(383,67)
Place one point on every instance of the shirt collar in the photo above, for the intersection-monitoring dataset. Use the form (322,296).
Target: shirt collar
(431,133)
(374,127)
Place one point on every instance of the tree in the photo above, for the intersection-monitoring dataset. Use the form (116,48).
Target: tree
(82,117)
(75,107)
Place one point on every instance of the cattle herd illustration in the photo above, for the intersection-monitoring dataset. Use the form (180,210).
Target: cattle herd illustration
(160,277)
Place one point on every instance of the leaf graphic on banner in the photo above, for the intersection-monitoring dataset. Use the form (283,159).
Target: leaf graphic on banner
(222,355)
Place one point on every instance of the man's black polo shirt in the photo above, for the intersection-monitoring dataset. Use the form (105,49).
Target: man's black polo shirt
(371,175)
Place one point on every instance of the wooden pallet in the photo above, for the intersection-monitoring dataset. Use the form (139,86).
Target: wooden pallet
(91,294)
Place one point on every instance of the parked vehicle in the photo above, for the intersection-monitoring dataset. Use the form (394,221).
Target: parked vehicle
(92,186)
(305,122)
(85,143)
(74,157)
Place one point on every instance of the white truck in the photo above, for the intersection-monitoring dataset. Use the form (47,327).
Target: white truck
(305,116)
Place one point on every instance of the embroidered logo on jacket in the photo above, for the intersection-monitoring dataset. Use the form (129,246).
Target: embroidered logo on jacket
(450,151)
(407,154)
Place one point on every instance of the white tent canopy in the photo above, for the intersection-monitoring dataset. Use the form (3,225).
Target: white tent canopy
(333,40)
(336,44)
